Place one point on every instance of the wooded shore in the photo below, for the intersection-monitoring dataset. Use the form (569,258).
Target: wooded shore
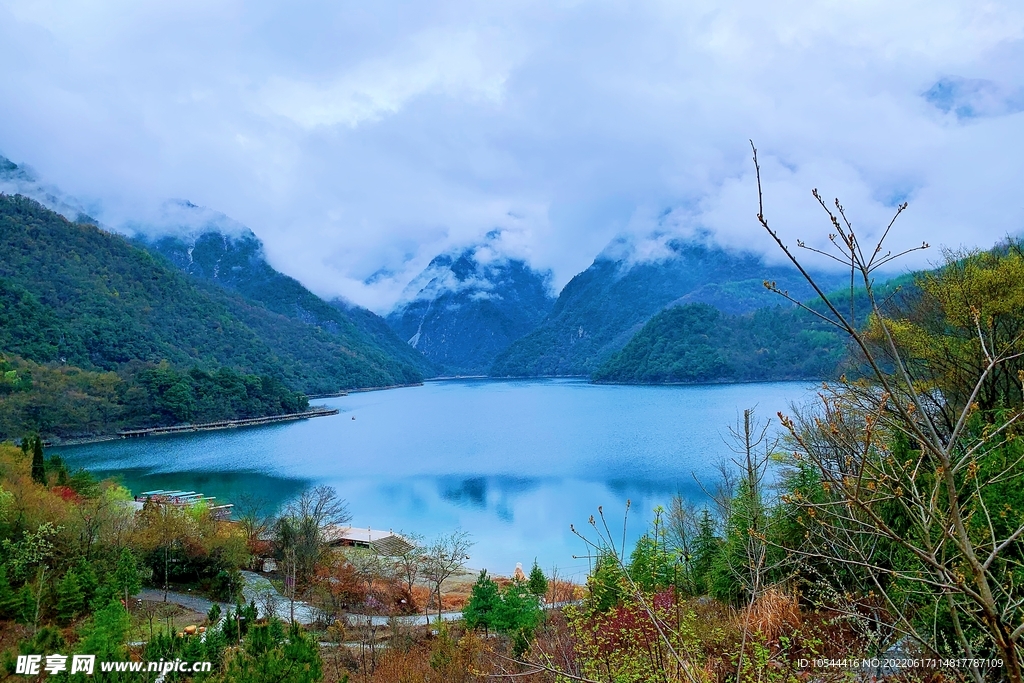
(200,427)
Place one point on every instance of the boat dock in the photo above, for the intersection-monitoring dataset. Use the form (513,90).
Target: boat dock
(185,499)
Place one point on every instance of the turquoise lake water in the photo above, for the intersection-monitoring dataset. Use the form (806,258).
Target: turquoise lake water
(514,463)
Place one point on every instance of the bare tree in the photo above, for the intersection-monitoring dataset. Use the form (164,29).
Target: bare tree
(750,441)
(409,564)
(445,557)
(253,515)
(909,519)
(301,533)
(322,505)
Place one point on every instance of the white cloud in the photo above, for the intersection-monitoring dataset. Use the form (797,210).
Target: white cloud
(455,65)
(360,140)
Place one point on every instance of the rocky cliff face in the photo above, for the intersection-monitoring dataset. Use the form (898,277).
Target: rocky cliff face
(468,306)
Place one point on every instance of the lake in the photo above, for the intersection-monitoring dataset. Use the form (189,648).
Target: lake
(514,463)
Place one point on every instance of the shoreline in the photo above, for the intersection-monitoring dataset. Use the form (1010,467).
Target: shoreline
(707,383)
(200,427)
(361,390)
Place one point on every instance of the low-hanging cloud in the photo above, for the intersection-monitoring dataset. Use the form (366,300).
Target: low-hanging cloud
(360,140)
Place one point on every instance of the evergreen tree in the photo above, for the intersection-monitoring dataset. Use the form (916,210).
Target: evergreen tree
(605,583)
(213,616)
(105,634)
(651,563)
(126,576)
(706,548)
(87,581)
(47,640)
(268,657)
(70,599)
(25,605)
(538,583)
(484,600)
(106,593)
(518,615)
(38,464)
(55,467)
(9,601)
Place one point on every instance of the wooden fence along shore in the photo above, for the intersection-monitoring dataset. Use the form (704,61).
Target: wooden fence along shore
(223,424)
(226,424)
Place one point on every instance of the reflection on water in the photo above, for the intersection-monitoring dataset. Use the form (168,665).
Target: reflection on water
(513,463)
(224,486)
(468,492)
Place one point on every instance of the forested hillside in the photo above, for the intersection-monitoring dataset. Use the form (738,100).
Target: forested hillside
(86,314)
(698,343)
(236,262)
(601,309)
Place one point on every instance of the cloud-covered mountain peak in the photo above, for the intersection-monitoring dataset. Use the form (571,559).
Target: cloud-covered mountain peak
(469,304)
(183,219)
(480,270)
(20,179)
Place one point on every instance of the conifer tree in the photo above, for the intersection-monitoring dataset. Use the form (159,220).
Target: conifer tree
(605,583)
(87,580)
(484,600)
(213,616)
(25,605)
(9,602)
(105,634)
(69,598)
(538,583)
(38,464)
(106,592)
(706,548)
(518,615)
(269,657)
(126,576)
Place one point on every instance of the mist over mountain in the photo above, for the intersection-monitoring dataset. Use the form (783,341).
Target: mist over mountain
(15,179)
(466,307)
(81,295)
(477,310)
(234,260)
(601,309)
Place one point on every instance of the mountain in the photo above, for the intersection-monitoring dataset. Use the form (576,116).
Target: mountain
(696,343)
(600,310)
(216,250)
(108,331)
(321,348)
(15,179)
(468,306)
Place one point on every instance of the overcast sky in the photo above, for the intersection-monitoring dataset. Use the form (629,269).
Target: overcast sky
(360,139)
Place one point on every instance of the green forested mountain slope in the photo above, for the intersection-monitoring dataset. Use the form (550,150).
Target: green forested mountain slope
(698,343)
(377,329)
(110,336)
(235,262)
(106,302)
(601,309)
(116,303)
